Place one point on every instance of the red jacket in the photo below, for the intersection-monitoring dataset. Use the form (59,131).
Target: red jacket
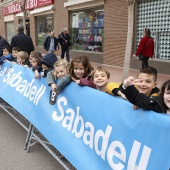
(146,47)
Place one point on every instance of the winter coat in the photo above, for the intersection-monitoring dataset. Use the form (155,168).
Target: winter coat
(146,47)
(23,41)
(47,43)
(66,80)
(62,40)
(145,102)
(8,57)
(114,90)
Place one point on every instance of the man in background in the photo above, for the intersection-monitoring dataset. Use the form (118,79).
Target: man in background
(23,41)
(64,40)
(51,43)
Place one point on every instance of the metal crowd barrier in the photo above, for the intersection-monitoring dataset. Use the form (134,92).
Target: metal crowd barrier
(34,136)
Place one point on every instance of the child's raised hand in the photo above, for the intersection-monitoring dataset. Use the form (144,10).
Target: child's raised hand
(137,82)
(129,81)
(37,74)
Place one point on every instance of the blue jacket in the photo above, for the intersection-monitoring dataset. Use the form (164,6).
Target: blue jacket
(47,43)
(23,41)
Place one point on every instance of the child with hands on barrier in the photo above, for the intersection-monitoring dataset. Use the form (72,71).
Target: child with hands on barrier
(148,86)
(61,69)
(100,78)
(160,103)
(79,71)
(42,65)
(35,61)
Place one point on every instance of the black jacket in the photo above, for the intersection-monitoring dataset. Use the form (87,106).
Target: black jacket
(23,41)
(47,43)
(62,40)
(154,91)
(145,102)
(3,43)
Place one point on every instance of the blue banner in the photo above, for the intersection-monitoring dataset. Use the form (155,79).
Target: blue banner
(92,129)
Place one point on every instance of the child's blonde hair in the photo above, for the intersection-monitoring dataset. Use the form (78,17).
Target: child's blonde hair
(23,55)
(63,63)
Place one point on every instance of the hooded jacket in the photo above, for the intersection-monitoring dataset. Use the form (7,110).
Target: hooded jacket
(145,102)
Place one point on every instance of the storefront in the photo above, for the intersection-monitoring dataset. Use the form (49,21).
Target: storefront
(155,16)
(39,15)
(98,28)
(87,28)
(9,27)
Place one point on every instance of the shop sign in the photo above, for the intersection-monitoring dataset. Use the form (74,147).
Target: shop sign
(30,4)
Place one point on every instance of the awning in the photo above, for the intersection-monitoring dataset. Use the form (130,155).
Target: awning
(75,2)
(37,10)
(8,18)
(19,14)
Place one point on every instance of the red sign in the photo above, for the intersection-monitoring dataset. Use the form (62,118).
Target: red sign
(30,4)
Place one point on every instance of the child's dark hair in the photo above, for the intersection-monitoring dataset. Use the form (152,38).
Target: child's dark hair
(147,32)
(8,47)
(165,86)
(149,70)
(100,68)
(37,56)
(16,49)
(85,63)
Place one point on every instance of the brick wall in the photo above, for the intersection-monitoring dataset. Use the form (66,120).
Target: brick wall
(115,31)
(2,27)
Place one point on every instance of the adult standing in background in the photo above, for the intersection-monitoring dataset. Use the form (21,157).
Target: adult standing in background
(3,43)
(146,47)
(64,40)
(23,41)
(51,43)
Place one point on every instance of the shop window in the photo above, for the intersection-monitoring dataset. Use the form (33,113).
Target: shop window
(87,30)
(9,30)
(44,26)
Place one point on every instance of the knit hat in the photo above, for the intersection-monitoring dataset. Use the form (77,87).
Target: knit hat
(49,60)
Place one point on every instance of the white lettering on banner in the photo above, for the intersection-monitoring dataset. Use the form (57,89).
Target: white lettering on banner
(2,72)
(28,90)
(86,130)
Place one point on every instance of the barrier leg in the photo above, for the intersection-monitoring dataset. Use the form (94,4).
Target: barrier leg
(28,136)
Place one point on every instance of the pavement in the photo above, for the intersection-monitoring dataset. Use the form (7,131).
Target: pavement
(13,156)
(117,72)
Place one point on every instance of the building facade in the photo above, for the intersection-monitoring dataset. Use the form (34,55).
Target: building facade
(98,28)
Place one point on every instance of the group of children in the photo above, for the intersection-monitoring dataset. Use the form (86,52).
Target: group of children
(142,91)
(39,64)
